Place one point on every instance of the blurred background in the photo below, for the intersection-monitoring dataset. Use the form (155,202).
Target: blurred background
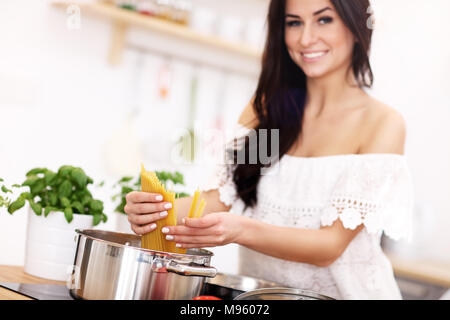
(106,85)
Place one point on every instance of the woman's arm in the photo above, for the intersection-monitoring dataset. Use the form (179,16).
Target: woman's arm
(320,247)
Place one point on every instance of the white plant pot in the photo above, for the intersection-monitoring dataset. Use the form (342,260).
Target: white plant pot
(122,223)
(51,244)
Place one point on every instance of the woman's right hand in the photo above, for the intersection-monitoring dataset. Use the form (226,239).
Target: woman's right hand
(144,209)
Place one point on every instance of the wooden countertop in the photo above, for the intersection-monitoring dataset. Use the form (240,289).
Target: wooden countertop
(17,275)
(435,273)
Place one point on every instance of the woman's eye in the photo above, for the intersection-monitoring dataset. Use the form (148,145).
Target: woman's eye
(325,20)
(293,23)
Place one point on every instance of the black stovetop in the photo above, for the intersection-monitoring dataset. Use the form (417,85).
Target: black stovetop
(39,291)
(61,292)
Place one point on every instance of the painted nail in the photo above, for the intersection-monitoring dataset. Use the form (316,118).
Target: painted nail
(178,245)
(169,237)
(183,221)
(153,226)
(159,198)
(163,214)
(168,205)
(165,230)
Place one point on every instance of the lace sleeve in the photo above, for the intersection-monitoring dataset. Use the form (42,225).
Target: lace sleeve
(378,194)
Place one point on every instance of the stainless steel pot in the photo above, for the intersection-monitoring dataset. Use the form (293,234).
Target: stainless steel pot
(281,294)
(113,266)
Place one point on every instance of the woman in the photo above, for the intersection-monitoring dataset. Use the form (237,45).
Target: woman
(342,177)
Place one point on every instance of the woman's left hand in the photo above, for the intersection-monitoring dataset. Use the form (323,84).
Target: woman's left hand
(214,229)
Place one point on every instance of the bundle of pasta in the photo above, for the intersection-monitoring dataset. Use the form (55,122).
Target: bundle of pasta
(156,240)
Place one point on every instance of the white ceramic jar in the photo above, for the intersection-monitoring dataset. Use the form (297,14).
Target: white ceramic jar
(51,244)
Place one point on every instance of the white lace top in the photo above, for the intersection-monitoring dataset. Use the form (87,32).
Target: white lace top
(371,189)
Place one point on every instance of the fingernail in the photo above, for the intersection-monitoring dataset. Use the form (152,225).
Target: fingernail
(183,221)
(159,198)
(163,214)
(168,205)
(153,226)
(169,237)
(178,245)
(165,230)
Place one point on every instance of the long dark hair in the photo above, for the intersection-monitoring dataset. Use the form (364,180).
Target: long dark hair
(281,92)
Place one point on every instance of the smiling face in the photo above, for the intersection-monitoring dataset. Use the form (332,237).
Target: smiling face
(316,37)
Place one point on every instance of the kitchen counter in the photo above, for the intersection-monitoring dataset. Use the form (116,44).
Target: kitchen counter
(433,273)
(17,274)
(436,273)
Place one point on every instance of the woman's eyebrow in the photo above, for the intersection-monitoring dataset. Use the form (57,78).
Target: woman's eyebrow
(290,15)
(322,10)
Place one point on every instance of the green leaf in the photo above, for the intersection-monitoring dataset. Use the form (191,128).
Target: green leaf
(121,207)
(182,195)
(50,177)
(26,196)
(64,171)
(95,205)
(85,199)
(47,210)
(78,207)
(101,184)
(178,178)
(104,217)
(65,189)
(6,190)
(36,207)
(53,198)
(1,180)
(36,171)
(16,205)
(125,179)
(38,187)
(126,190)
(89,180)
(162,175)
(64,202)
(97,218)
(16,185)
(68,213)
(79,177)
(30,181)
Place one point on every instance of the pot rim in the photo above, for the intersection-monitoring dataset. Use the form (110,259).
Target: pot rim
(283,290)
(202,252)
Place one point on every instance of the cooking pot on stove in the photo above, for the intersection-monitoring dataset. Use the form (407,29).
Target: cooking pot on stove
(113,266)
(281,294)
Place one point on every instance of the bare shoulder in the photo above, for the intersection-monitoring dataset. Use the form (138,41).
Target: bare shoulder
(248,117)
(386,129)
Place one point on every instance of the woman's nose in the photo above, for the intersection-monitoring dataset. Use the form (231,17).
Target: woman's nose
(308,36)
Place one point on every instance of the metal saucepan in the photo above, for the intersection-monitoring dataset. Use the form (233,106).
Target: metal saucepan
(281,294)
(113,266)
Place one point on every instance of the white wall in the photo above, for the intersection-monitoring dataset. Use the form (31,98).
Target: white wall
(60,102)
(411,61)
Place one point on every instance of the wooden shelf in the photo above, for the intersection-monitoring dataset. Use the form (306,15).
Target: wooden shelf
(122,19)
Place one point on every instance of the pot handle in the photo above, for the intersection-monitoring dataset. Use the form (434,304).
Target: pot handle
(192,270)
